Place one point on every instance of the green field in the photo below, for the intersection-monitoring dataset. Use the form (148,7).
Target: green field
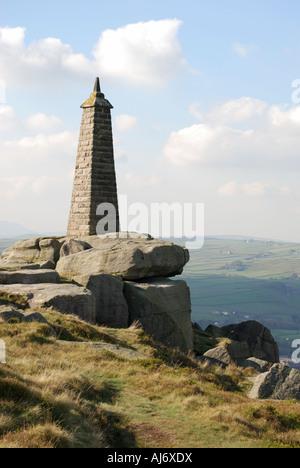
(236,280)
(259,259)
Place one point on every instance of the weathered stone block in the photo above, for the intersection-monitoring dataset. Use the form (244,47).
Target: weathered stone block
(72,246)
(29,277)
(163,308)
(111,307)
(281,382)
(32,251)
(63,298)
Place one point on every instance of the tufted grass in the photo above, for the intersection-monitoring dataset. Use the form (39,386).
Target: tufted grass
(56,394)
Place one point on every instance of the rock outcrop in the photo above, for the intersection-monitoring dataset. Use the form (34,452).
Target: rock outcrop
(281,382)
(111,306)
(233,352)
(39,251)
(248,339)
(63,298)
(72,246)
(113,280)
(163,308)
(222,356)
(258,338)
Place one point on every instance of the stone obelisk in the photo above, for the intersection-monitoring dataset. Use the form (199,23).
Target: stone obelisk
(95,177)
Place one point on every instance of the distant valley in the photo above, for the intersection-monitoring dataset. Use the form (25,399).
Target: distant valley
(236,280)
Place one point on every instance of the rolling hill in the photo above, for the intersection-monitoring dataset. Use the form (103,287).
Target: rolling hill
(236,280)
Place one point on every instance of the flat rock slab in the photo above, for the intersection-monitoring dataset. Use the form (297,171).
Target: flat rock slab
(63,298)
(131,259)
(163,308)
(17,266)
(29,277)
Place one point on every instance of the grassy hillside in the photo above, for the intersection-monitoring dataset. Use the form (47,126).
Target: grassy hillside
(236,280)
(124,390)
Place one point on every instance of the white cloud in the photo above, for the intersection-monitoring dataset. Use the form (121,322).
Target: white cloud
(229,189)
(285,190)
(124,122)
(46,59)
(43,123)
(233,111)
(12,38)
(13,187)
(2,91)
(254,189)
(138,181)
(46,152)
(194,110)
(243,50)
(204,144)
(40,122)
(43,146)
(271,140)
(8,119)
(36,169)
(145,53)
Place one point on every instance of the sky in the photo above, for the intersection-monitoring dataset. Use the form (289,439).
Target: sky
(206,100)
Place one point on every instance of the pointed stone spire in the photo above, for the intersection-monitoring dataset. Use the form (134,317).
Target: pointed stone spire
(95,178)
(97,88)
(96,98)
